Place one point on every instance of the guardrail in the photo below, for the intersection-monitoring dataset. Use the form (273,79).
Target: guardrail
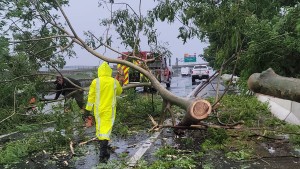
(286,110)
(189,65)
(68,68)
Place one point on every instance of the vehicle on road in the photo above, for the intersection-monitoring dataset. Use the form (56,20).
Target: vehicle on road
(200,72)
(159,67)
(185,71)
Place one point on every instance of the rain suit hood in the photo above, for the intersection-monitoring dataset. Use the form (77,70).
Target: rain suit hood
(104,70)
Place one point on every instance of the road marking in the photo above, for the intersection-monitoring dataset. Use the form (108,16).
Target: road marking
(141,151)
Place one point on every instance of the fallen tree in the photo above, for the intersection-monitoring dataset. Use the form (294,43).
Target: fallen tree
(196,109)
(270,83)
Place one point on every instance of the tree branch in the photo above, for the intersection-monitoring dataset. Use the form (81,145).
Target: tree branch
(61,50)
(133,57)
(133,85)
(67,19)
(138,30)
(14,107)
(39,39)
(127,5)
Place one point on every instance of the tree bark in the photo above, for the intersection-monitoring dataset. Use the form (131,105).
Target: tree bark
(269,83)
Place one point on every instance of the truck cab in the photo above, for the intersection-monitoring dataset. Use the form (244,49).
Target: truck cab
(159,68)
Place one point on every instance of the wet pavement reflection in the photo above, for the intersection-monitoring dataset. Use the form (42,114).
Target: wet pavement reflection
(182,86)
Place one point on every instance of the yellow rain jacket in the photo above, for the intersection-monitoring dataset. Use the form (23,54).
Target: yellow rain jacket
(102,97)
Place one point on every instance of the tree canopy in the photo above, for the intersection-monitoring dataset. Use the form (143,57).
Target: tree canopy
(39,33)
(36,33)
(264,33)
(261,34)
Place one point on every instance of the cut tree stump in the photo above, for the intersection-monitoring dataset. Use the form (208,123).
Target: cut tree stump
(198,110)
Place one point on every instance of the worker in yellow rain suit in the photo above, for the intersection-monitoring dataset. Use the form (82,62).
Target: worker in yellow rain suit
(102,97)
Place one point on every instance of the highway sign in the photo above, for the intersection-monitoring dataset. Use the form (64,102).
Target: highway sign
(189,59)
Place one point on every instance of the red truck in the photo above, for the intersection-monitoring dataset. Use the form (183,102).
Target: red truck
(159,67)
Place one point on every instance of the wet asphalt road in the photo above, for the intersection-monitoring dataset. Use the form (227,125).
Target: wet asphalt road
(182,86)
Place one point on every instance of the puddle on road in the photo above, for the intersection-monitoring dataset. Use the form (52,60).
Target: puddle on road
(121,147)
(183,86)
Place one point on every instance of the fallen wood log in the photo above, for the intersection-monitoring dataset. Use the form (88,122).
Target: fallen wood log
(85,142)
(270,83)
(201,126)
(196,111)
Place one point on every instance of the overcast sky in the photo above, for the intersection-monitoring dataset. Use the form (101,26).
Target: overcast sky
(85,15)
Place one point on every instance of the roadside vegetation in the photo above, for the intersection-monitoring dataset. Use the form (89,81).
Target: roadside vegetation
(257,126)
(260,34)
(34,134)
(133,111)
(238,145)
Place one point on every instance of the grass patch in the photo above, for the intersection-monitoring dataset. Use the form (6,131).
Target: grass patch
(244,108)
(133,110)
(14,151)
(239,149)
(294,135)
(169,158)
(258,123)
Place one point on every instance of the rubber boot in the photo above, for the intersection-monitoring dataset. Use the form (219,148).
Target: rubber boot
(104,153)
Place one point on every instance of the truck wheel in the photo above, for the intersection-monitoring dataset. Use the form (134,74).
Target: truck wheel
(193,79)
(168,85)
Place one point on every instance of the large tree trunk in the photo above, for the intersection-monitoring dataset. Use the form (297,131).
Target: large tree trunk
(269,83)
(196,109)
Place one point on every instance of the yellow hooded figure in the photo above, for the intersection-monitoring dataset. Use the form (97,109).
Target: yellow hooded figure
(102,97)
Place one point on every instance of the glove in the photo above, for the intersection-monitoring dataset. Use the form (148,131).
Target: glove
(86,114)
